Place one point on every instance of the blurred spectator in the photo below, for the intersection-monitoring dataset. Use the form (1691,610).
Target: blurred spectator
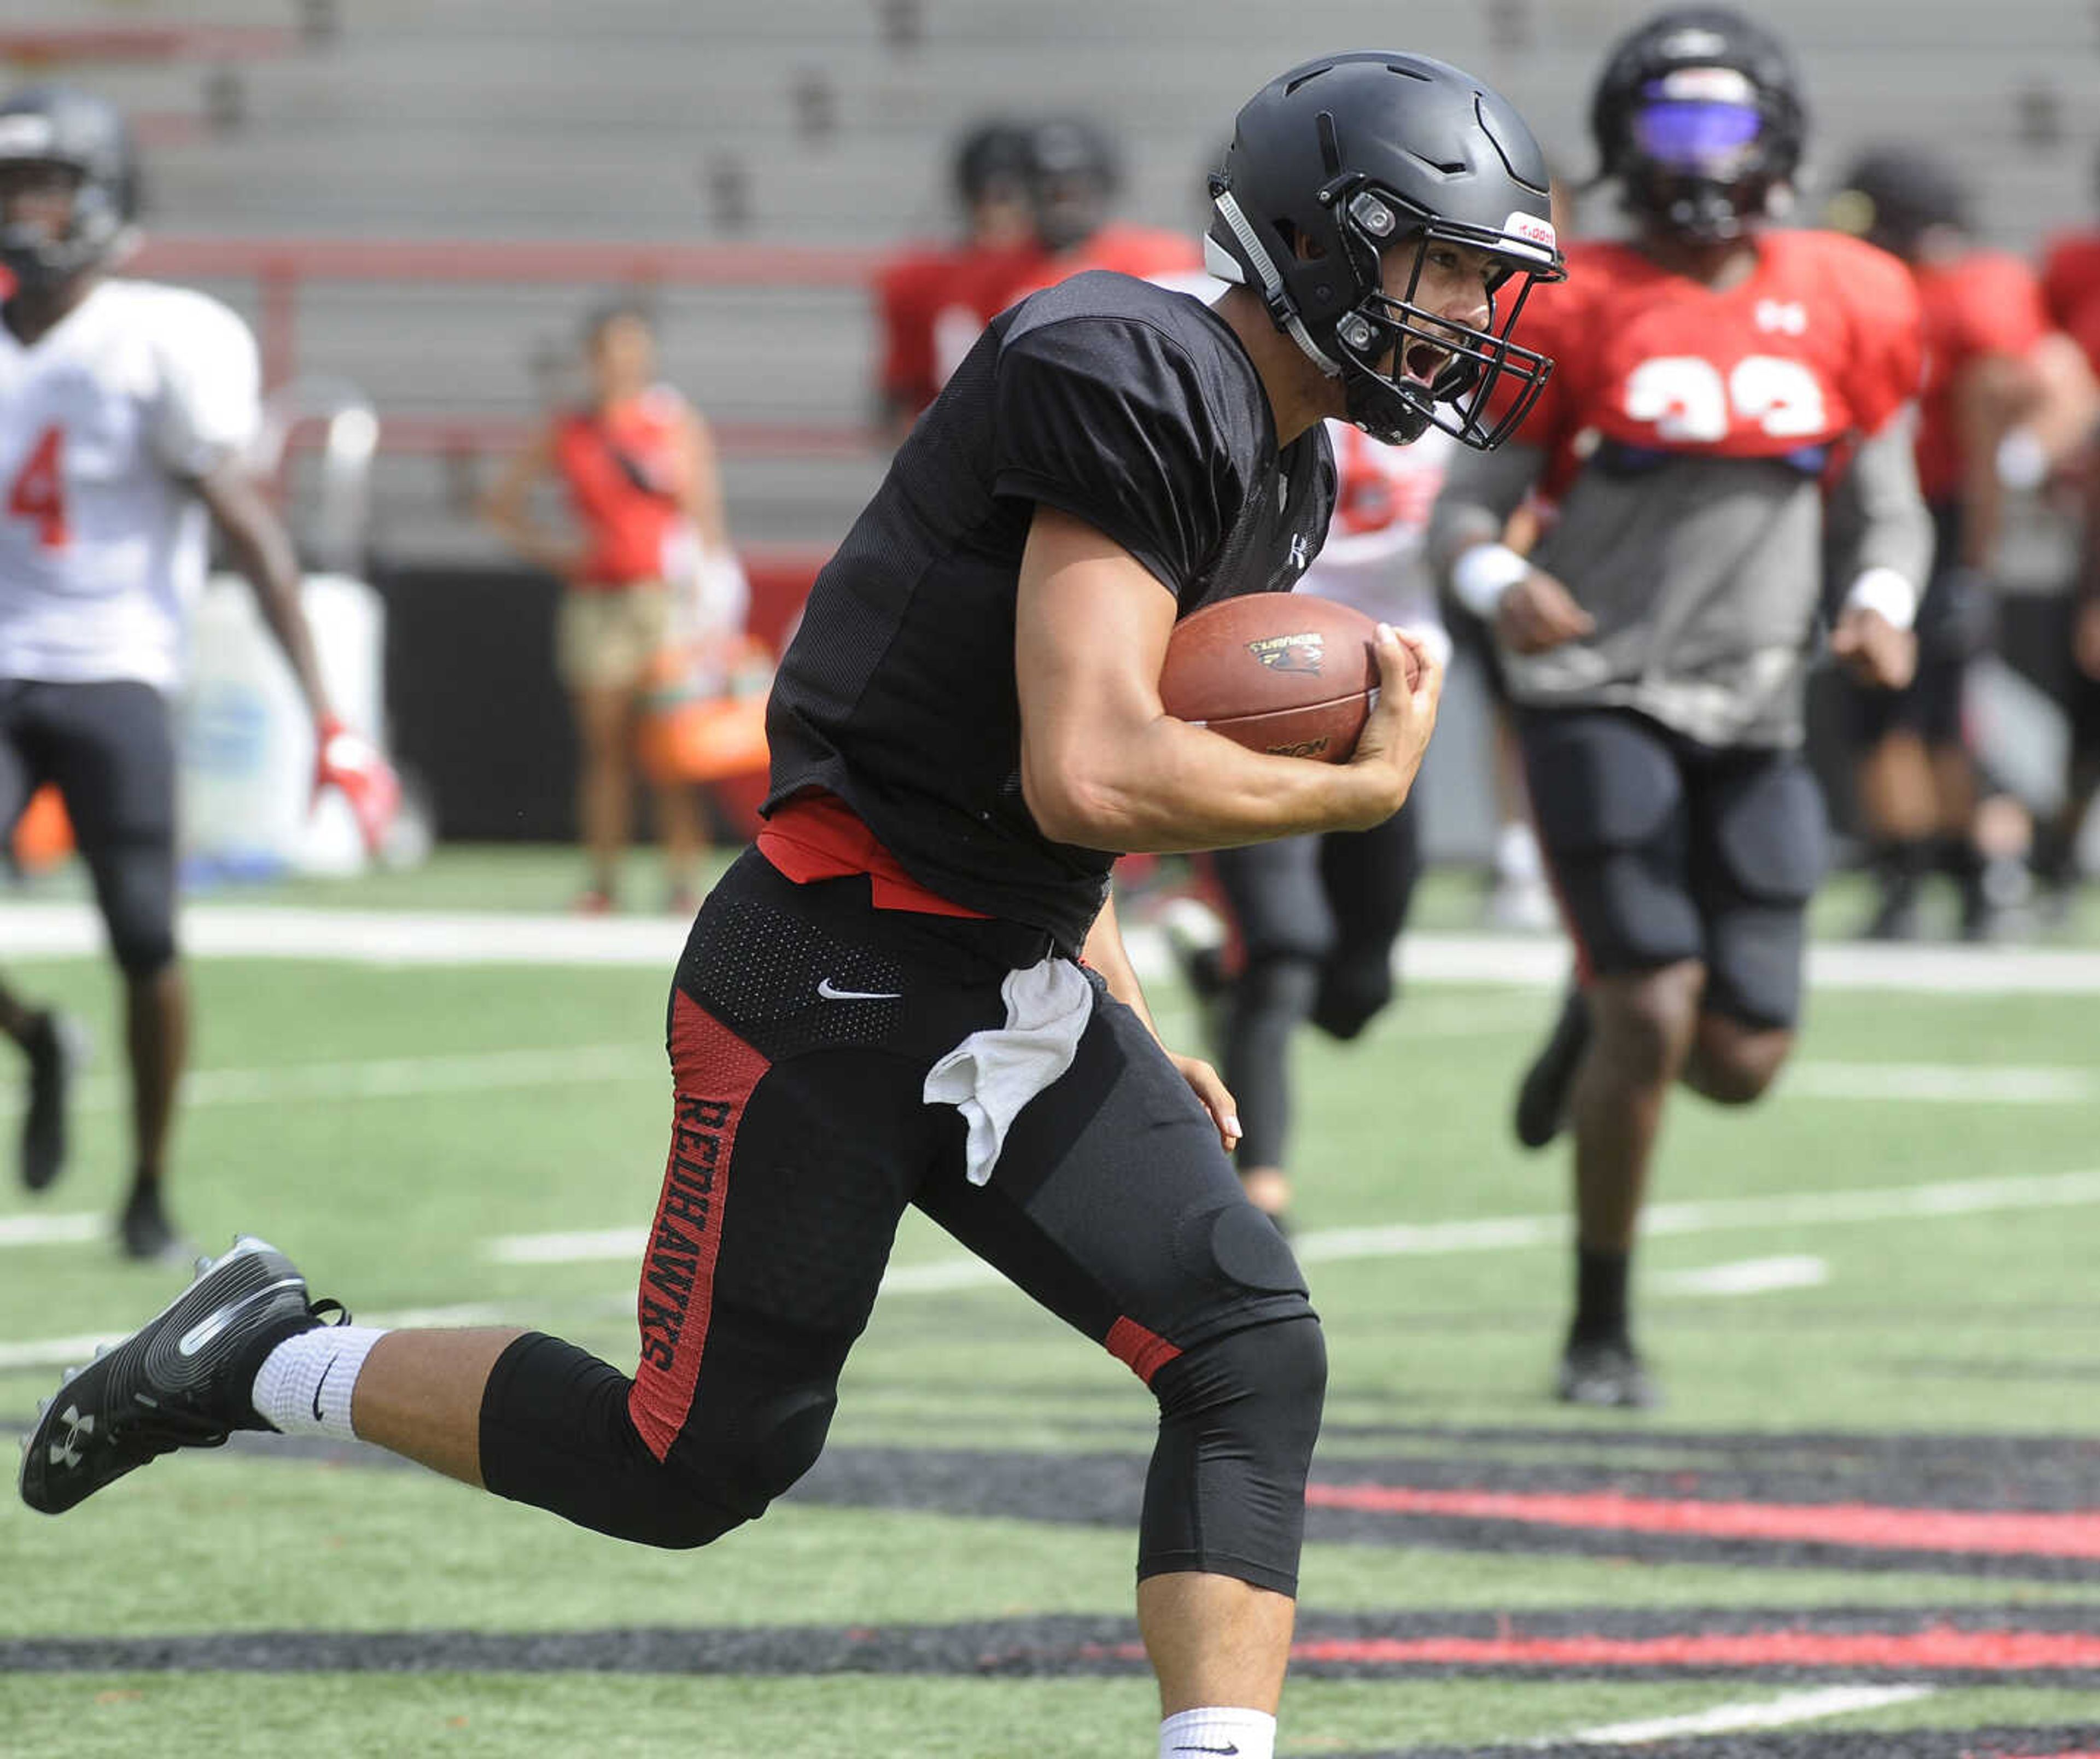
(653,562)
(2005,396)
(991,174)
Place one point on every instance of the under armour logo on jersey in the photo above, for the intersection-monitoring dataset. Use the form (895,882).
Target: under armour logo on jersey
(66,1453)
(1788,317)
(1301,552)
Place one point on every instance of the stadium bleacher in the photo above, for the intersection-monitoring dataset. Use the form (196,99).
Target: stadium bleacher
(488,120)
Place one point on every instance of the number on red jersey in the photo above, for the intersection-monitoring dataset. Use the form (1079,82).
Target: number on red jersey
(38,492)
(1686,398)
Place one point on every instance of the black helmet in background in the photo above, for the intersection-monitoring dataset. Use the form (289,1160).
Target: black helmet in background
(1893,196)
(1698,116)
(1074,175)
(53,125)
(1336,160)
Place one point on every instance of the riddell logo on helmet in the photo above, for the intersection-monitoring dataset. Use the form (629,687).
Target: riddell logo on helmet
(1532,230)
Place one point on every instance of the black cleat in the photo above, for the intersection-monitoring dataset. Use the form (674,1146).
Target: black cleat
(1607,1373)
(57,1048)
(1542,1098)
(144,1232)
(182,1380)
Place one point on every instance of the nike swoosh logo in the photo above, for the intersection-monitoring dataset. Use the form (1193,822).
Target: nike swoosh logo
(831,991)
(323,1382)
(1228,1750)
(202,1333)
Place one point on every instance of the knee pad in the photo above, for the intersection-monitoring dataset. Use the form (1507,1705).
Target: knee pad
(137,893)
(555,1433)
(1353,993)
(1274,993)
(1238,1417)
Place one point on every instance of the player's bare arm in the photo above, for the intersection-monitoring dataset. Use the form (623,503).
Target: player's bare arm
(1892,551)
(700,482)
(506,508)
(1104,766)
(1530,609)
(1106,952)
(262,551)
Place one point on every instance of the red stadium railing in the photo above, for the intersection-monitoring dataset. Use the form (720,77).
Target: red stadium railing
(46,44)
(281,268)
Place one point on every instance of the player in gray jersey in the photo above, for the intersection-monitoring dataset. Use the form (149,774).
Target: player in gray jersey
(1718,383)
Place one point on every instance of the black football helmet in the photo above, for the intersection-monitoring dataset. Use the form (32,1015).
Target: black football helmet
(1333,162)
(1894,196)
(1074,174)
(1698,115)
(991,159)
(53,125)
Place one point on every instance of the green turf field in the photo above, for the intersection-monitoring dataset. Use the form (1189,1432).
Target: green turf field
(1923,1205)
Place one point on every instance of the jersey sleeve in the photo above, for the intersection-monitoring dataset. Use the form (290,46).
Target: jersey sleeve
(1106,419)
(1551,323)
(209,402)
(2001,310)
(906,291)
(1884,366)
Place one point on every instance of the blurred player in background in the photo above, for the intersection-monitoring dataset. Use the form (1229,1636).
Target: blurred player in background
(637,465)
(126,411)
(2071,287)
(884,1004)
(1072,175)
(2006,397)
(1313,919)
(991,178)
(1713,371)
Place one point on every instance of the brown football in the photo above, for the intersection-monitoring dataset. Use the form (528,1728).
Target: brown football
(1277,671)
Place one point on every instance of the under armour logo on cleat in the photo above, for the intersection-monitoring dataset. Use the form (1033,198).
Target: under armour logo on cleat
(831,993)
(66,1453)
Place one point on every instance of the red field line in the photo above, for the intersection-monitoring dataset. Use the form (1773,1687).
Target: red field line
(1998,1532)
(1938,1647)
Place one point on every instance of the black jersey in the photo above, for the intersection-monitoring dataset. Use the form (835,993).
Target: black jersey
(1129,407)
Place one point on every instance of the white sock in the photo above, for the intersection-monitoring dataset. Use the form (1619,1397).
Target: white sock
(304,1385)
(1516,855)
(1230,1734)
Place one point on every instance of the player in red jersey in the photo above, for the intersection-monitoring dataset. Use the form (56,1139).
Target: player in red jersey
(1714,374)
(1073,176)
(638,465)
(914,287)
(2006,396)
(2070,287)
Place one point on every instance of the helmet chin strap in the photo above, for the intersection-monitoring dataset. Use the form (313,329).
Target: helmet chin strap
(1273,294)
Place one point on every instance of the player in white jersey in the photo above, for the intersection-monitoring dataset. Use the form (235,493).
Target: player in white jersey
(125,412)
(1314,918)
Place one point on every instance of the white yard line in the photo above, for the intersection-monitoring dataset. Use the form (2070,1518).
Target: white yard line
(1746,1276)
(385,1078)
(1941,1084)
(1328,1245)
(1726,1719)
(51,1229)
(1490,1233)
(487,937)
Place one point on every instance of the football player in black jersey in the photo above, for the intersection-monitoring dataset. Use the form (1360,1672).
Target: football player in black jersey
(884,1003)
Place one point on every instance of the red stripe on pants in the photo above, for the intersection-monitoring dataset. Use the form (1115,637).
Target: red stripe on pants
(1146,1353)
(712,1074)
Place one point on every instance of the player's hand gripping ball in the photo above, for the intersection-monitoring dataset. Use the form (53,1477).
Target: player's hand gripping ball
(1292,676)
